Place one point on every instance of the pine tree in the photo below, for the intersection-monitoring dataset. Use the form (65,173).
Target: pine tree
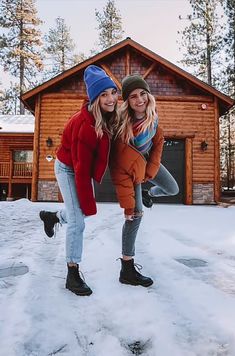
(110,25)
(9,100)
(59,49)
(210,56)
(202,40)
(20,41)
(229,45)
(227,122)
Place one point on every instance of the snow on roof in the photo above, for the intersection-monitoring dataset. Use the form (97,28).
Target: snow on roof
(16,123)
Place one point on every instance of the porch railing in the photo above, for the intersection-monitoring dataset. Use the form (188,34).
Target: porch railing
(4,169)
(19,170)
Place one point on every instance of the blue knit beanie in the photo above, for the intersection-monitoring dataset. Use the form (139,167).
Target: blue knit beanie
(96,81)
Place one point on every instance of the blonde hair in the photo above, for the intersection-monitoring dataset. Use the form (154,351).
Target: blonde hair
(126,116)
(100,122)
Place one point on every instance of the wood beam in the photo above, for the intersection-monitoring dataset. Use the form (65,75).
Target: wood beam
(188,171)
(9,195)
(186,98)
(35,171)
(109,72)
(149,70)
(172,134)
(128,62)
(217,153)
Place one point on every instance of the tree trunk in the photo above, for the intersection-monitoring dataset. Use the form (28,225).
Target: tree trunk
(22,108)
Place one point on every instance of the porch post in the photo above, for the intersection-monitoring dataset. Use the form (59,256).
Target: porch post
(9,195)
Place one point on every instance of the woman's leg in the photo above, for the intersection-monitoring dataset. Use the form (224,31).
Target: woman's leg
(131,227)
(74,215)
(128,273)
(164,184)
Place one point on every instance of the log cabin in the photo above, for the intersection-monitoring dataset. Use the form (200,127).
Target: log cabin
(188,111)
(16,156)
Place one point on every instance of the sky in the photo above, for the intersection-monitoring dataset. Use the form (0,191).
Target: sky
(189,252)
(152,23)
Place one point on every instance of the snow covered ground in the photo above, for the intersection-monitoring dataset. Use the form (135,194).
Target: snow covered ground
(189,251)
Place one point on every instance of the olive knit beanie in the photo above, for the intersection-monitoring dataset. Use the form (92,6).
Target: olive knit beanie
(132,82)
(96,81)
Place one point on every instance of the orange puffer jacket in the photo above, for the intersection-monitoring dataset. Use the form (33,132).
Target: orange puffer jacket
(129,167)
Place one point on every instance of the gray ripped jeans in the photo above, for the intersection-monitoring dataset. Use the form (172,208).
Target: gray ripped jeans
(164,184)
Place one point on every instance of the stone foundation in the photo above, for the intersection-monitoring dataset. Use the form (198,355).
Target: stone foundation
(48,190)
(203,193)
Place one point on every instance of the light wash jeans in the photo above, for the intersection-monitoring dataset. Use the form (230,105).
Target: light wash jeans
(164,185)
(72,214)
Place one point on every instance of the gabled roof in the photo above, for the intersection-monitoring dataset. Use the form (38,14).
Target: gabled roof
(16,124)
(29,97)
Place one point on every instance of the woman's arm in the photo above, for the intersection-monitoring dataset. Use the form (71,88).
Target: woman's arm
(155,155)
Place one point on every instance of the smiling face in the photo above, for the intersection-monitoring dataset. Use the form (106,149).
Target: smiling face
(138,101)
(108,100)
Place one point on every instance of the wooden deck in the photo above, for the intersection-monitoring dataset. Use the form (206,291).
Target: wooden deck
(15,170)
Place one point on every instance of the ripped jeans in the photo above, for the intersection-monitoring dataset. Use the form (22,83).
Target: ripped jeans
(72,214)
(164,184)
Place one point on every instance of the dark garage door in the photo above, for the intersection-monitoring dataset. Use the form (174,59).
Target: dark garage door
(172,159)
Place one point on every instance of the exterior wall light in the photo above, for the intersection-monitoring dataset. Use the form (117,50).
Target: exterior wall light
(204,145)
(49,142)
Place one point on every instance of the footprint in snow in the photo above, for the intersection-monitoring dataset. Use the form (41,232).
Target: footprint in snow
(15,269)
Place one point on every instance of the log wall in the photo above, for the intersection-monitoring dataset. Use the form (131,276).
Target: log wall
(189,117)
(179,106)
(9,142)
(56,109)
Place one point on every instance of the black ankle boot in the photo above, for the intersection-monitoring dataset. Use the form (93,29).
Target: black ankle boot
(129,275)
(75,283)
(146,198)
(50,220)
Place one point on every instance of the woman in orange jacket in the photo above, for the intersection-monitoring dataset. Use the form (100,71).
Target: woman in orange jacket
(135,159)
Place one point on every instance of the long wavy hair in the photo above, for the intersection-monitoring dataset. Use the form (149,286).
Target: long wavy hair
(103,121)
(124,128)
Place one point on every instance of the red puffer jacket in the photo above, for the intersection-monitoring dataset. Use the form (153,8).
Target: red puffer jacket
(87,154)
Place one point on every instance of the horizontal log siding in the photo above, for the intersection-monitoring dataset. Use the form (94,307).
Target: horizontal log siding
(56,109)
(175,116)
(10,142)
(189,117)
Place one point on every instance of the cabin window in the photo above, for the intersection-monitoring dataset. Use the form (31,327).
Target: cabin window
(23,156)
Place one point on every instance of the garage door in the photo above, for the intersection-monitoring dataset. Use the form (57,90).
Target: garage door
(172,159)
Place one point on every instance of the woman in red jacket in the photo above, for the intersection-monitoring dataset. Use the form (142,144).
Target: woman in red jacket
(136,158)
(83,156)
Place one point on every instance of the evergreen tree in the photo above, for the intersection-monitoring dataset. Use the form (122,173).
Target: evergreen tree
(20,40)
(210,56)
(59,49)
(227,122)
(9,100)
(202,40)
(1,96)
(229,45)
(110,25)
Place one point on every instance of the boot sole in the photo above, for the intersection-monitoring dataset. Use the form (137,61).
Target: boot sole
(79,293)
(124,281)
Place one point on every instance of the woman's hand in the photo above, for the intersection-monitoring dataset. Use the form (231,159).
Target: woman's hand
(147,178)
(129,217)
(136,215)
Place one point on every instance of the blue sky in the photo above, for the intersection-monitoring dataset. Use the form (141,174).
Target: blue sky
(152,23)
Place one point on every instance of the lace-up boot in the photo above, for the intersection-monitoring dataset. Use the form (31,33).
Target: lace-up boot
(50,220)
(75,283)
(129,274)
(146,198)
